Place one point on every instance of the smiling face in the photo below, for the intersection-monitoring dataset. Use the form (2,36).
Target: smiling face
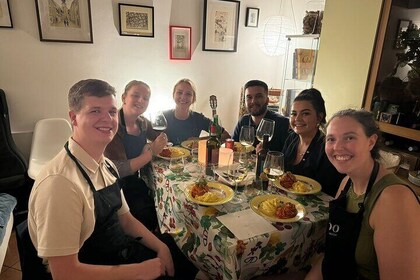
(96,123)
(256,99)
(347,145)
(304,119)
(136,100)
(184,95)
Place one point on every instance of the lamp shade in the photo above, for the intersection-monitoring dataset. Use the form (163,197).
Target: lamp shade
(272,38)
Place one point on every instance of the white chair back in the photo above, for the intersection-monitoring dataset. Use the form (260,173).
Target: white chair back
(48,139)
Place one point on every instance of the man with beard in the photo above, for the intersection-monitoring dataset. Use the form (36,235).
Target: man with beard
(256,99)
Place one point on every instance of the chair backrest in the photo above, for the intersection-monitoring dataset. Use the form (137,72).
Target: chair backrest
(13,166)
(48,139)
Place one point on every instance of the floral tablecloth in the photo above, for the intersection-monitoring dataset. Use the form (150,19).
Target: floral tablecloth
(216,251)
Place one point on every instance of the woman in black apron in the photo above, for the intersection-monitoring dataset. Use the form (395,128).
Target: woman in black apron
(132,155)
(373,224)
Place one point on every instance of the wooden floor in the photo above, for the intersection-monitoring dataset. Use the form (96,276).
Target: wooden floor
(11,265)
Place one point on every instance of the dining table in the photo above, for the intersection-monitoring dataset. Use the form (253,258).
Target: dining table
(248,245)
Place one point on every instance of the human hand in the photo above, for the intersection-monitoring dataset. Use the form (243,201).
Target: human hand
(165,256)
(258,148)
(152,269)
(160,142)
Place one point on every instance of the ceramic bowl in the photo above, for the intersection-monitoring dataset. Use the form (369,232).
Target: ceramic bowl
(414,177)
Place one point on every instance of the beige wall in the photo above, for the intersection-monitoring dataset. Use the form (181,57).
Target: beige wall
(346,45)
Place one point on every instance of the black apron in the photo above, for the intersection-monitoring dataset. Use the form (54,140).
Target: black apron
(342,235)
(108,244)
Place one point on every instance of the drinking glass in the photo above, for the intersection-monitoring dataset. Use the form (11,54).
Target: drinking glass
(273,166)
(266,127)
(237,172)
(176,165)
(194,166)
(158,121)
(247,136)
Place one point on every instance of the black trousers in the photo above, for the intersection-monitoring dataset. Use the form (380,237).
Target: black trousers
(140,201)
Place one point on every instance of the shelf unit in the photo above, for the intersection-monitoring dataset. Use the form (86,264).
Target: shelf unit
(409,133)
(299,67)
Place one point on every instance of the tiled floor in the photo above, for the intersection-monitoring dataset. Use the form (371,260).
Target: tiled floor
(11,265)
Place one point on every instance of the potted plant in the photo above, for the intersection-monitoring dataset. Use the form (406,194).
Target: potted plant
(410,40)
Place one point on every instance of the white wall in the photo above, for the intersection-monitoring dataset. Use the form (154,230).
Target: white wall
(36,75)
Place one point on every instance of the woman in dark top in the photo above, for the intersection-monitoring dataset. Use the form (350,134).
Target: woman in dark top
(131,153)
(183,123)
(304,149)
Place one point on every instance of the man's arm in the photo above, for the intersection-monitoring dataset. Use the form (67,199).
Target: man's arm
(134,228)
(69,268)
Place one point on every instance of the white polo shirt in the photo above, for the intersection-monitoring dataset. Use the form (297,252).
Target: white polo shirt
(61,208)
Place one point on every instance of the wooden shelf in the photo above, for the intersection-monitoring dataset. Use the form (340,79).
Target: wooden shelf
(399,131)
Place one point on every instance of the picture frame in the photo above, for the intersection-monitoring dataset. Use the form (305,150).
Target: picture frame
(70,21)
(252,16)
(180,42)
(220,28)
(136,20)
(5,15)
(402,26)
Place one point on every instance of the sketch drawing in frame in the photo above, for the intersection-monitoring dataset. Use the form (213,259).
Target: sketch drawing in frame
(221,18)
(5,15)
(180,42)
(136,20)
(252,15)
(64,21)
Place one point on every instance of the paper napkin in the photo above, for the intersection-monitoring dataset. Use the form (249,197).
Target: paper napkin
(246,224)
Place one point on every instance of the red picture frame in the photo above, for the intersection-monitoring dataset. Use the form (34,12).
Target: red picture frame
(179,42)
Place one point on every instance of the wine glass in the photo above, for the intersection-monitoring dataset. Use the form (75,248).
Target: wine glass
(273,165)
(237,172)
(158,121)
(266,126)
(247,136)
(176,165)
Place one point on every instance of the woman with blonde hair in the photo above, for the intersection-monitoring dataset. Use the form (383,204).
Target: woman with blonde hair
(183,123)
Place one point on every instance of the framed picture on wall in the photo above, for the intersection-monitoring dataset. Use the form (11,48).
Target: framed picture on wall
(180,42)
(64,21)
(221,18)
(402,26)
(252,15)
(136,20)
(5,15)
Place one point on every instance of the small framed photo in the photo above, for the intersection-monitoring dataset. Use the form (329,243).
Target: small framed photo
(5,15)
(136,20)
(221,18)
(252,15)
(64,21)
(402,26)
(180,42)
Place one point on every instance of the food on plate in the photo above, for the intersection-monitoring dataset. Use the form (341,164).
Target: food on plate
(166,152)
(192,145)
(209,197)
(287,180)
(200,188)
(171,152)
(300,187)
(276,208)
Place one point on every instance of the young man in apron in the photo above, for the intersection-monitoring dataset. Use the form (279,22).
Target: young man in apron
(78,219)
